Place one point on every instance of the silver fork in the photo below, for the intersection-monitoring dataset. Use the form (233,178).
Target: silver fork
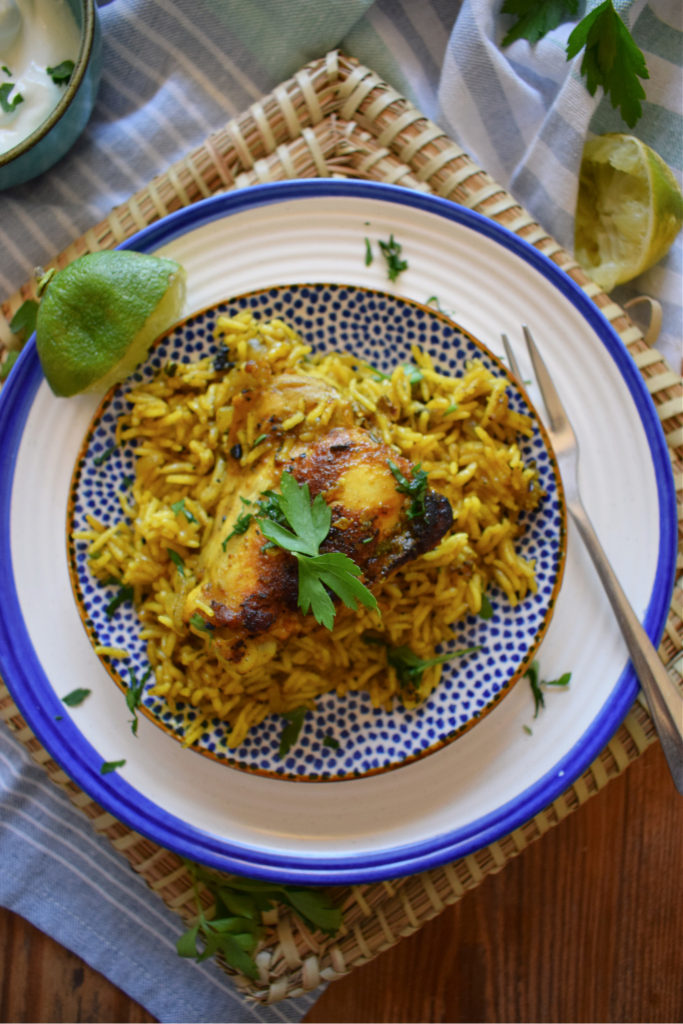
(663,696)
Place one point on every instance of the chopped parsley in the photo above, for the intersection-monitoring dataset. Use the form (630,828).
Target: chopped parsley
(179,506)
(177,560)
(408,665)
(6,104)
(330,741)
(76,697)
(61,73)
(259,440)
(110,766)
(416,488)
(134,694)
(391,251)
(123,594)
(290,734)
(100,459)
(199,622)
(241,526)
(368,253)
(486,609)
(537,684)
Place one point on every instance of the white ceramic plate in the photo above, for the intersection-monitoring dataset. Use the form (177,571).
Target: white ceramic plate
(495,776)
(380,329)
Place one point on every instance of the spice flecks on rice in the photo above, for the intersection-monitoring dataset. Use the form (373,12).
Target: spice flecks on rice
(462,432)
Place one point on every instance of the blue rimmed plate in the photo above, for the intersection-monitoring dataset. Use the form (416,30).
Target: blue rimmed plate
(495,776)
(379,328)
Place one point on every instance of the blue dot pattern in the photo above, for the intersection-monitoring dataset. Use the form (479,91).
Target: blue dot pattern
(345,737)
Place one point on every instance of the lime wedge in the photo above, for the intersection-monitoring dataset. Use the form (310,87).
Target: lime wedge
(100,315)
(628,212)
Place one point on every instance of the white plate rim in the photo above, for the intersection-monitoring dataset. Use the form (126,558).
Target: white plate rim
(38,704)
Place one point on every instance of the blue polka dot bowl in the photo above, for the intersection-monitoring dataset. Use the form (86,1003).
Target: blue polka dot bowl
(344,737)
(51,140)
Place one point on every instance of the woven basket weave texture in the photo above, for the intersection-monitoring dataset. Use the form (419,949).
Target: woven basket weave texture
(336,118)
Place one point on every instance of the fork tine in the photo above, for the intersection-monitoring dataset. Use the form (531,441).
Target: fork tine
(511,358)
(551,399)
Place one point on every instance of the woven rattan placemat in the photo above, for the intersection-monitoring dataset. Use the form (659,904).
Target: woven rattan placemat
(337,118)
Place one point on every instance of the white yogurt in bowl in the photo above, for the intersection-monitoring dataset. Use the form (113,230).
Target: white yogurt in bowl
(39,45)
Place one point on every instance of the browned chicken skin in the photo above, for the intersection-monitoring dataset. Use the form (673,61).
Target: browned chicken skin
(248,590)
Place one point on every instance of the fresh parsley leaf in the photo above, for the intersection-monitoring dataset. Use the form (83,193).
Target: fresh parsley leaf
(110,766)
(123,594)
(177,560)
(241,526)
(330,741)
(233,929)
(199,622)
(611,59)
(290,733)
(486,610)
(7,365)
(61,73)
(306,525)
(368,253)
(391,251)
(537,17)
(76,697)
(315,907)
(23,322)
(7,104)
(416,488)
(179,506)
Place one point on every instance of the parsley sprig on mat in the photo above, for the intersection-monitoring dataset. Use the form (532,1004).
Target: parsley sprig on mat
(233,927)
(611,58)
(292,521)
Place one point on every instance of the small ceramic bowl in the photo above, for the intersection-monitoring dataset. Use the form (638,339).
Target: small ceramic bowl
(55,136)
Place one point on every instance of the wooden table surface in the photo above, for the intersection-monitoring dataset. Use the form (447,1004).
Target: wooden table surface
(585,925)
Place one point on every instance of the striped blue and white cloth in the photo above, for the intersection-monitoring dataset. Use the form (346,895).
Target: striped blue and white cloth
(174,71)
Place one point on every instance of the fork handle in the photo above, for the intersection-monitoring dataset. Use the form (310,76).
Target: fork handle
(663,696)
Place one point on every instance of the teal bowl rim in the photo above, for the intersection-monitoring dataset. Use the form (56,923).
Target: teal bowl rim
(81,66)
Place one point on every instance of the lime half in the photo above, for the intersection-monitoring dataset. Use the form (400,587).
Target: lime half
(100,315)
(629,209)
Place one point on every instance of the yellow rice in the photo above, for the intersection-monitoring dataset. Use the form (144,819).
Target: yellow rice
(460,429)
